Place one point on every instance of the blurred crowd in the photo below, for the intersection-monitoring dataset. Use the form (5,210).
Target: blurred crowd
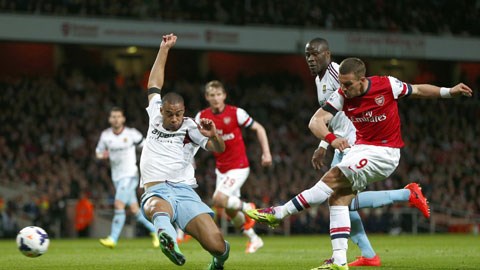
(438,17)
(50,127)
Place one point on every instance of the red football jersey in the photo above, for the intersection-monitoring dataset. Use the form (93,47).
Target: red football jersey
(229,123)
(375,113)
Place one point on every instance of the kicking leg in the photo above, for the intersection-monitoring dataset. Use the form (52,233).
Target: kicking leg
(160,212)
(307,198)
(204,229)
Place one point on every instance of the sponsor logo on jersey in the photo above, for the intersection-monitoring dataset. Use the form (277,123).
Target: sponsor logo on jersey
(159,134)
(117,149)
(380,100)
(369,117)
(228,136)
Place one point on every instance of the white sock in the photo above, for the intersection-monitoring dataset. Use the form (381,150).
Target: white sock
(238,220)
(250,233)
(234,203)
(313,196)
(339,233)
(247,206)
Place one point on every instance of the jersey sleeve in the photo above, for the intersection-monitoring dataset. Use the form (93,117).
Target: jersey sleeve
(196,136)
(244,120)
(399,88)
(334,102)
(101,145)
(197,117)
(137,138)
(154,105)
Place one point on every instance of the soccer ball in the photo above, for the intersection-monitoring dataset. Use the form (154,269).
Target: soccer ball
(32,241)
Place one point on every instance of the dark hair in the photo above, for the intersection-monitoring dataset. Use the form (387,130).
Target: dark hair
(321,41)
(172,98)
(353,65)
(117,109)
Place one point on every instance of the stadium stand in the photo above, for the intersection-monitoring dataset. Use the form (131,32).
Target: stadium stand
(50,130)
(408,16)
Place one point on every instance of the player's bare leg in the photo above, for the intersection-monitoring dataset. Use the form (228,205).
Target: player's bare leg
(234,208)
(160,212)
(204,229)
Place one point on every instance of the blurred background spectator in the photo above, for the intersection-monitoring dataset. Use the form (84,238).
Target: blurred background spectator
(438,17)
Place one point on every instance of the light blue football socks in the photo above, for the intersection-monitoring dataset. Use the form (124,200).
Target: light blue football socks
(140,218)
(117,224)
(374,199)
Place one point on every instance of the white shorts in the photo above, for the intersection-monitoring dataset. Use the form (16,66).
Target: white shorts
(365,164)
(231,182)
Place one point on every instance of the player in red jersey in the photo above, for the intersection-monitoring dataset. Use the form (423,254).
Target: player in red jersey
(371,104)
(232,166)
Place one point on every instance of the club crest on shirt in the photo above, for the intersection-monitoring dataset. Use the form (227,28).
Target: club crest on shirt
(227,120)
(324,90)
(125,140)
(380,100)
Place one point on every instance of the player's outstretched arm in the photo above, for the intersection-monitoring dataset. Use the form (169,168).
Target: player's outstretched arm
(318,126)
(432,91)
(215,142)
(263,140)
(157,74)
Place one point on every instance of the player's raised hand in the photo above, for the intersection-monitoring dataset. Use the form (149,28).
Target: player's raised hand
(207,127)
(461,89)
(168,41)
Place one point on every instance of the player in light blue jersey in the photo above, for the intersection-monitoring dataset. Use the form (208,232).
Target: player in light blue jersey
(118,144)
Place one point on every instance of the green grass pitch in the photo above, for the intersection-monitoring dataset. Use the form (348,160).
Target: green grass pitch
(289,253)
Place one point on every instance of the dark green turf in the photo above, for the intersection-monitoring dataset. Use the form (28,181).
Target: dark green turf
(279,253)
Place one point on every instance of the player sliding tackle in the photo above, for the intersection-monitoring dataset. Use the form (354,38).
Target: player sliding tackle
(167,172)
(371,104)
